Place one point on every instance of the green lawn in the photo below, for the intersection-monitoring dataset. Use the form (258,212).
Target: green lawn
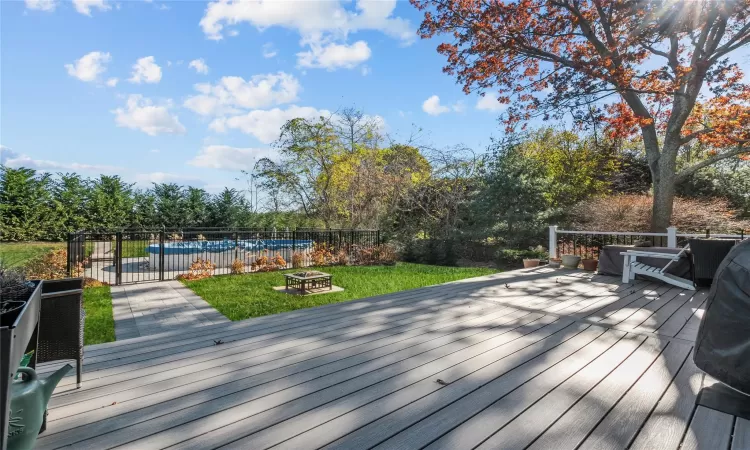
(134,248)
(100,324)
(243,296)
(15,254)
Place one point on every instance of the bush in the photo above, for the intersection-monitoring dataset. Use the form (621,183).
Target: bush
(199,269)
(266,264)
(514,257)
(322,255)
(383,254)
(238,267)
(298,260)
(52,265)
(633,213)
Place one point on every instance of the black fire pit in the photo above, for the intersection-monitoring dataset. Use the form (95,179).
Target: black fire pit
(305,282)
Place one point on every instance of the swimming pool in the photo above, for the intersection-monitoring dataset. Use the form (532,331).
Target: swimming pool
(179,255)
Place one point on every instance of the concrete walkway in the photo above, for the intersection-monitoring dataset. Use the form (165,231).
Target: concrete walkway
(152,308)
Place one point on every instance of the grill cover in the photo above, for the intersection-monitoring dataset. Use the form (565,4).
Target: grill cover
(722,348)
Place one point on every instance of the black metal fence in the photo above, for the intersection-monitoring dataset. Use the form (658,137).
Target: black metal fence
(134,256)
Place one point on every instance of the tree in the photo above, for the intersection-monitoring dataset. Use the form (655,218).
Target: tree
(169,200)
(71,192)
(110,203)
(513,204)
(661,67)
(27,209)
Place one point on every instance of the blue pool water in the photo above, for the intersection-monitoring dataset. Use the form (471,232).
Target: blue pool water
(190,247)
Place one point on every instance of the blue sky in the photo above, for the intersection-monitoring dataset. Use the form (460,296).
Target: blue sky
(101,86)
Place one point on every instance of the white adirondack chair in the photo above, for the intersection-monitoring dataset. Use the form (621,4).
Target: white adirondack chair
(631,267)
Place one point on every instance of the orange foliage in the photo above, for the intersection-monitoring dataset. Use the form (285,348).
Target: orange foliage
(545,58)
(199,269)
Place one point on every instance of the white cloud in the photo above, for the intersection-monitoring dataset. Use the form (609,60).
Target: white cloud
(433,107)
(13,159)
(333,56)
(89,66)
(307,17)
(145,179)
(366,70)
(141,114)
(155,150)
(145,70)
(490,103)
(41,5)
(231,93)
(233,33)
(225,157)
(84,6)
(112,82)
(268,50)
(265,125)
(458,107)
(199,65)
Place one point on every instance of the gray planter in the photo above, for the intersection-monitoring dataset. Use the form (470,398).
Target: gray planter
(571,261)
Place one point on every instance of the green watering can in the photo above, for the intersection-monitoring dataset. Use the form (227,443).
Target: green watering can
(28,401)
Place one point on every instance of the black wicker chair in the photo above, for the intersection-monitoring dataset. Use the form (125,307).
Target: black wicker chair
(61,323)
(707,254)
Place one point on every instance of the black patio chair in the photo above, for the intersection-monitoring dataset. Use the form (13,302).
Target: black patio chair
(61,322)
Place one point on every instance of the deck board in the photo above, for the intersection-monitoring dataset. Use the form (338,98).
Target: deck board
(536,358)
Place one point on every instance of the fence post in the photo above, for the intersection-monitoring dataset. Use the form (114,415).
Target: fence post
(70,255)
(161,254)
(118,258)
(377,238)
(294,240)
(672,237)
(553,241)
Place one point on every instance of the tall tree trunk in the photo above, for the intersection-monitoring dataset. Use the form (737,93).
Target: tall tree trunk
(661,210)
(664,176)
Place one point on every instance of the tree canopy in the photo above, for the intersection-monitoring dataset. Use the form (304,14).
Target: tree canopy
(659,68)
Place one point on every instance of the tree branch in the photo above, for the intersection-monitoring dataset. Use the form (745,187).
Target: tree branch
(684,173)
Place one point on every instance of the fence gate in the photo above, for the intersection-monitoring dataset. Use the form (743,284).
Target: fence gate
(136,256)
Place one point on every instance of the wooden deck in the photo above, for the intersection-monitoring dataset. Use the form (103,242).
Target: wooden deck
(537,359)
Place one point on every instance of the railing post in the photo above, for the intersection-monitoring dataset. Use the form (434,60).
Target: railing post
(377,238)
(69,267)
(118,258)
(161,254)
(553,241)
(672,237)
(294,240)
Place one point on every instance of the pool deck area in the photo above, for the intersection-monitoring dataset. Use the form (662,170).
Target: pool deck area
(527,359)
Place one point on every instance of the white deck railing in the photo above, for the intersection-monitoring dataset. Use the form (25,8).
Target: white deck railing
(672,235)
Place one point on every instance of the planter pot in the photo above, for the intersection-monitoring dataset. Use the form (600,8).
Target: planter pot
(527,263)
(590,264)
(571,261)
(554,263)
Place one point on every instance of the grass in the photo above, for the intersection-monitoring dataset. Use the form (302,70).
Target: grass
(100,324)
(251,295)
(16,254)
(134,249)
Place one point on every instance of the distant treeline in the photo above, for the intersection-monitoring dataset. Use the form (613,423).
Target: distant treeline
(40,206)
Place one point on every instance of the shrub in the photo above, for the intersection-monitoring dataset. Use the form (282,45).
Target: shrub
(199,269)
(322,255)
(238,267)
(265,264)
(513,257)
(633,213)
(52,265)
(342,258)
(376,255)
(298,260)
